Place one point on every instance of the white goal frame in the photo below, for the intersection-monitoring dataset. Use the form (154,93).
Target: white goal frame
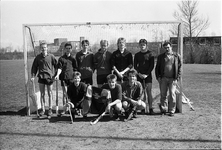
(25,49)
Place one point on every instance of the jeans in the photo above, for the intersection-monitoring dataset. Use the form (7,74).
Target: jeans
(165,84)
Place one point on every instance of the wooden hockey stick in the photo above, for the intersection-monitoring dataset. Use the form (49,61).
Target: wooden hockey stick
(34,97)
(57,99)
(188,101)
(97,120)
(145,96)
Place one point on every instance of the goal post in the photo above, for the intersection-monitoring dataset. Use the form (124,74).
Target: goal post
(57,34)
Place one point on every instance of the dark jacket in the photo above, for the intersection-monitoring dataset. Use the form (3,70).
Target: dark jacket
(159,70)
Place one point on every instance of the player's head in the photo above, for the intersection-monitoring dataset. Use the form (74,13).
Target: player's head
(68,48)
(44,48)
(104,44)
(143,44)
(167,46)
(121,43)
(132,75)
(76,78)
(85,44)
(111,78)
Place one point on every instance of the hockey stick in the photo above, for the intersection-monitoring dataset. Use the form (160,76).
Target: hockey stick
(187,99)
(34,97)
(70,113)
(188,102)
(97,120)
(100,116)
(145,96)
(57,99)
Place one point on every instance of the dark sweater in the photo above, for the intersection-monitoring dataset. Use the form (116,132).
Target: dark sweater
(116,93)
(68,65)
(144,62)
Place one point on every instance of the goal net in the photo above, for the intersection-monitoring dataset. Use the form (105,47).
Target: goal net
(56,35)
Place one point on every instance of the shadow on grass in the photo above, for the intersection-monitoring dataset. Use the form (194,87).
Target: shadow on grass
(208,73)
(21,112)
(111,138)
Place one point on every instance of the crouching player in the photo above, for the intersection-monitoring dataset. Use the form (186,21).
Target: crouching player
(132,95)
(77,95)
(114,106)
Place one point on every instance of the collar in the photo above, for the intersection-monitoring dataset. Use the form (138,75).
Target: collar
(102,52)
(134,84)
(171,54)
(45,56)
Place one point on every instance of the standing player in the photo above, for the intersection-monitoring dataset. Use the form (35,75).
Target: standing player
(66,66)
(144,64)
(168,72)
(122,60)
(45,65)
(84,59)
(102,63)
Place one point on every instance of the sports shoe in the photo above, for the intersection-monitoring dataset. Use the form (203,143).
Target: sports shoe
(85,117)
(163,112)
(63,112)
(50,112)
(116,117)
(41,113)
(171,114)
(151,112)
(143,112)
(78,112)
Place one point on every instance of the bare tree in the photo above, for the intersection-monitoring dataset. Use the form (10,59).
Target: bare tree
(193,23)
(188,14)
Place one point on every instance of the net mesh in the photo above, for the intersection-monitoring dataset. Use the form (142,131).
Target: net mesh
(57,35)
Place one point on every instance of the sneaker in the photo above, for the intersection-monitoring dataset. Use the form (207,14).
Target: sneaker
(41,113)
(116,117)
(50,112)
(63,112)
(171,114)
(163,112)
(151,112)
(85,117)
(143,112)
(78,112)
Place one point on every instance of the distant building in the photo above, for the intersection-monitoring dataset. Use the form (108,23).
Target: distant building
(201,40)
(59,41)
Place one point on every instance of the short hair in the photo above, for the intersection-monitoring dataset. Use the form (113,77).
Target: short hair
(68,44)
(111,77)
(143,41)
(121,39)
(166,43)
(132,71)
(104,41)
(76,73)
(43,43)
(85,42)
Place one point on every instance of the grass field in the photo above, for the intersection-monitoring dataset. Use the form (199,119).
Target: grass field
(188,130)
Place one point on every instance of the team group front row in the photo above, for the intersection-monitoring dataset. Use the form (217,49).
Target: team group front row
(127,80)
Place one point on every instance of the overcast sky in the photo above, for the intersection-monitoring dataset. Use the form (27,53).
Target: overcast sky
(16,13)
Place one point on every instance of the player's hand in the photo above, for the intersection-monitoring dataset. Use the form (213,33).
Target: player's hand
(56,78)
(32,79)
